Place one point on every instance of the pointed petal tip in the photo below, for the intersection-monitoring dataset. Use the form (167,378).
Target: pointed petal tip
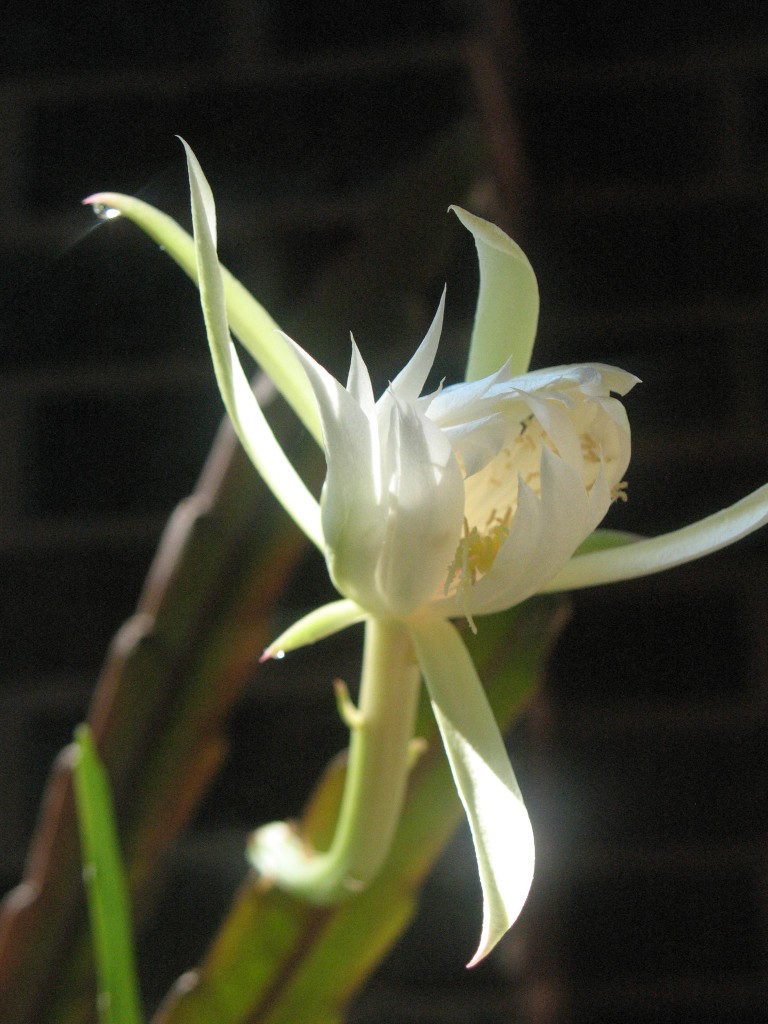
(110,205)
(495,927)
(272,653)
(103,199)
(479,956)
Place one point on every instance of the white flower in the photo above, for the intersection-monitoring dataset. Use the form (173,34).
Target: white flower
(463,502)
(453,504)
(467,500)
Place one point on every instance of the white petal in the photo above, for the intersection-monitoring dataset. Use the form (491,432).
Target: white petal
(458,403)
(591,378)
(409,383)
(545,532)
(507,305)
(346,429)
(501,830)
(247,418)
(359,383)
(426,495)
(353,513)
(559,426)
(658,553)
(477,442)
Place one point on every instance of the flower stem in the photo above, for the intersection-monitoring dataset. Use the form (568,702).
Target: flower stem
(377,772)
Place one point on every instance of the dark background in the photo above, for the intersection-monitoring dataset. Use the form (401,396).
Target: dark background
(625,147)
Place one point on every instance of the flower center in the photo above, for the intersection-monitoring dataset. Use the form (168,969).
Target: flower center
(477,551)
(496,485)
(475,554)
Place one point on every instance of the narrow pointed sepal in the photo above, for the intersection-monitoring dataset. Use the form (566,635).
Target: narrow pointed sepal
(648,556)
(501,829)
(248,319)
(317,625)
(244,411)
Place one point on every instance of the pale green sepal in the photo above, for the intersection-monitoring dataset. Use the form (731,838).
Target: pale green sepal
(247,418)
(250,322)
(645,557)
(507,305)
(317,625)
(499,822)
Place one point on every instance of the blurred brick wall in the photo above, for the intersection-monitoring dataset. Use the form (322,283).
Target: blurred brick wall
(645,133)
(644,213)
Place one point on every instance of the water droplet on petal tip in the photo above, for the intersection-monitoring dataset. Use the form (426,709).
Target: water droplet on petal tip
(104,212)
(279,655)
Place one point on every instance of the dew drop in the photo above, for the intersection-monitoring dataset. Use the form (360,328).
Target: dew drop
(104,212)
(279,655)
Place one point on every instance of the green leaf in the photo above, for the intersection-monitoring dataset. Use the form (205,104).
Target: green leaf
(507,305)
(107,890)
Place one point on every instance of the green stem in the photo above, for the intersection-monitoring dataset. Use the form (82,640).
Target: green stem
(377,772)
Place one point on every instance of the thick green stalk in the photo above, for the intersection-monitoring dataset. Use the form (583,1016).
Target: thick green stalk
(379,760)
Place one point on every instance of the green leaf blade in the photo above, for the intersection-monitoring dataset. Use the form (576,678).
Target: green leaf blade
(107,890)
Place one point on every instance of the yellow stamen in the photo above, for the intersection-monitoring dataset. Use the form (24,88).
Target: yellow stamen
(619,492)
(475,554)
(590,448)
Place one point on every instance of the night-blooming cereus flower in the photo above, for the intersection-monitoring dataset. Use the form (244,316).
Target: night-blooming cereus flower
(435,507)
(465,501)
(458,503)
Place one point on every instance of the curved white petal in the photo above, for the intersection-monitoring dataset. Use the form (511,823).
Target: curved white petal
(247,418)
(556,419)
(458,403)
(408,384)
(507,305)
(317,625)
(426,508)
(590,378)
(359,383)
(645,557)
(545,532)
(346,428)
(478,442)
(501,830)
(353,506)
